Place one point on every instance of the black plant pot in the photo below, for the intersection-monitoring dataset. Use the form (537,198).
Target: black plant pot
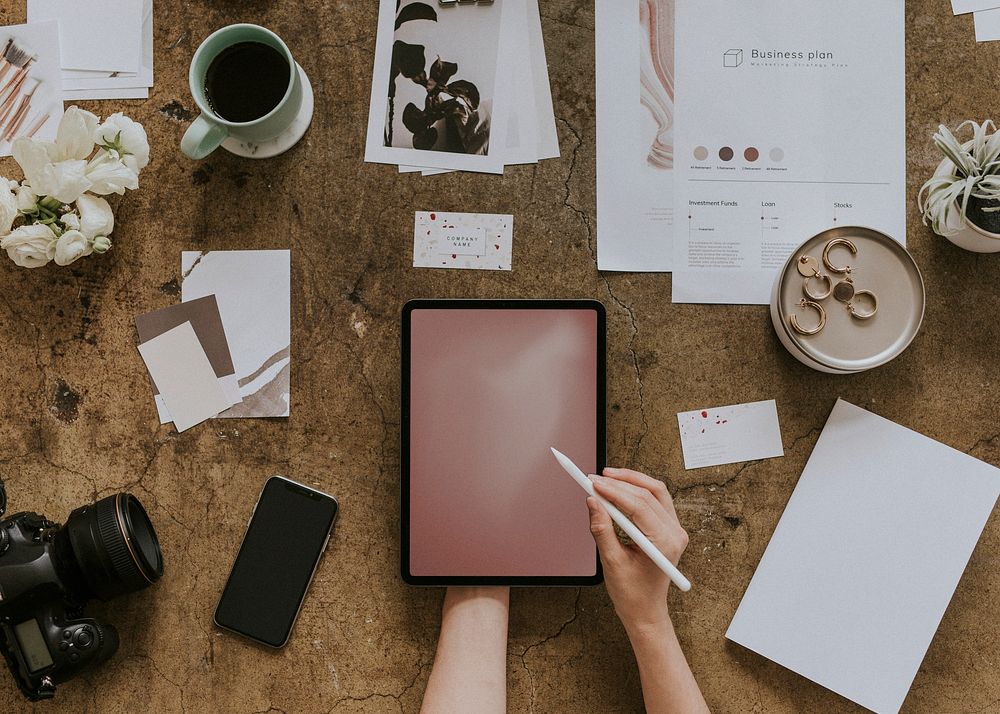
(989,221)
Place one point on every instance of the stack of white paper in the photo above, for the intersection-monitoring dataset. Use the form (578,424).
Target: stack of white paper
(106,46)
(986,15)
(462,86)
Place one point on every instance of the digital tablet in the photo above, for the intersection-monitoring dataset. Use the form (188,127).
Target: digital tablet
(487,388)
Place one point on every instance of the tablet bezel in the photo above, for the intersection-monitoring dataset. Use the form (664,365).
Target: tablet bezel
(404,436)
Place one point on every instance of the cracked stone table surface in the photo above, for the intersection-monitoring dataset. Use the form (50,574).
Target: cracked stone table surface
(77,419)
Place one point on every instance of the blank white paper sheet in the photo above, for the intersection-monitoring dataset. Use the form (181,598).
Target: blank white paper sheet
(182,372)
(866,557)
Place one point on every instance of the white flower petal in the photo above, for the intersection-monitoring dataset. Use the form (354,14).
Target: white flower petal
(75,138)
(96,216)
(8,210)
(108,174)
(63,180)
(129,135)
(30,246)
(26,198)
(71,246)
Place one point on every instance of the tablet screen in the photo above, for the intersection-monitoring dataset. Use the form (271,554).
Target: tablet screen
(490,390)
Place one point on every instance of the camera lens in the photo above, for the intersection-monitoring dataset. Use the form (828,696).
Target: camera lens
(114,546)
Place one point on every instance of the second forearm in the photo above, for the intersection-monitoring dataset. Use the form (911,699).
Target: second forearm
(668,686)
(470,667)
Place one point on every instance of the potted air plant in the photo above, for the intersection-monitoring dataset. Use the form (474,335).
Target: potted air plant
(961,201)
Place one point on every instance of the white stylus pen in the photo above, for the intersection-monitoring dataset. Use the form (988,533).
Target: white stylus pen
(637,536)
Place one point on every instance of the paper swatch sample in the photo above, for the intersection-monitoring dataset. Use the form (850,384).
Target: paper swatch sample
(728,435)
(181,370)
(253,289)
(866,557)
(769,145)
(476,241)
(635,135)
(203,314)
(31,102)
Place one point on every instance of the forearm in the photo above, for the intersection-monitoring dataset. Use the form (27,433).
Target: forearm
(470,667)
(668,686)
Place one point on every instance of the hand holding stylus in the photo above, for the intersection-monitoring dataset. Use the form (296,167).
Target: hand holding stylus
(639,495)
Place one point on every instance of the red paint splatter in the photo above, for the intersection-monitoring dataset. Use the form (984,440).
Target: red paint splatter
(702,431)
(453,256)
(725,421)
(717,421)
(496,246)
(704,415)
(433,216)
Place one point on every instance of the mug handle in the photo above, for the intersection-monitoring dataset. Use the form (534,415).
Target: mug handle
(203,137)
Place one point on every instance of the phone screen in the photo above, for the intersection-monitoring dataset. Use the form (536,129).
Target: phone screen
(284,541)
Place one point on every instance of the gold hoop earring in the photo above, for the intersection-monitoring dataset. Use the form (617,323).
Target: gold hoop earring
(808,268)
(794,319)
(863,315)
(830,246)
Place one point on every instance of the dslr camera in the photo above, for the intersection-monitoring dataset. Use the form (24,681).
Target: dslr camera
(48,573)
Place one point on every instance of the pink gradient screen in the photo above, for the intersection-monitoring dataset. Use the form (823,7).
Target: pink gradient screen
(490,392)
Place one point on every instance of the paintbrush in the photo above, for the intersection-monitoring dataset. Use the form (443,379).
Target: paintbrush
(16,123)
(37,125)
(21,113)
(5,66)
(13,86)
(7,106)
(14,57)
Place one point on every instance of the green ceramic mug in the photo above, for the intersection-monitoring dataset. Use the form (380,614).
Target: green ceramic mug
(209,130)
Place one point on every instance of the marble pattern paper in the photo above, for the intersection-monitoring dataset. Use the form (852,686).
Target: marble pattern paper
(253,289)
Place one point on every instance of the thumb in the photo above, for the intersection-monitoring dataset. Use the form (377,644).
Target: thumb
(603,530)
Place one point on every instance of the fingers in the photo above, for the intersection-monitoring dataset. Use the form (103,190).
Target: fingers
(639,504)
(603,530)
(653,485)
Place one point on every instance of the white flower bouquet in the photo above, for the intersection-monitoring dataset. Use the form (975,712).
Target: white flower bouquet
(56,212)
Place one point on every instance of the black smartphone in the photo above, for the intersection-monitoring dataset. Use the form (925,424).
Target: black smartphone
(287,534)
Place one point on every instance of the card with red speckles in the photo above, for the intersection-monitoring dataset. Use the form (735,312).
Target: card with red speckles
(728,435)
(472,241)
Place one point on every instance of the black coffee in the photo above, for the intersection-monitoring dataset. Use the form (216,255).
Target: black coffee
(246,81)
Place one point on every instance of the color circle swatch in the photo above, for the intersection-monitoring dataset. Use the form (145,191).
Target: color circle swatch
(751,154)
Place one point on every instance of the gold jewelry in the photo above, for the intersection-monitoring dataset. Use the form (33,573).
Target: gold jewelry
(808,268)
(863,315)
(826,255)
(794,319)
(844,290)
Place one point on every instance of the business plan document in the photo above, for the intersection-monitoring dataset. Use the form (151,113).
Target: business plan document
(790,120)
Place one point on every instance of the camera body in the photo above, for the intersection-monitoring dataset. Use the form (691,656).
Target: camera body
(49,572)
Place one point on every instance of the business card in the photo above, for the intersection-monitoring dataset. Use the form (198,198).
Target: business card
(728,435)
(469,241)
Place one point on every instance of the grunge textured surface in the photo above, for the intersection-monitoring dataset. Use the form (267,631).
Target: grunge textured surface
(77,419)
